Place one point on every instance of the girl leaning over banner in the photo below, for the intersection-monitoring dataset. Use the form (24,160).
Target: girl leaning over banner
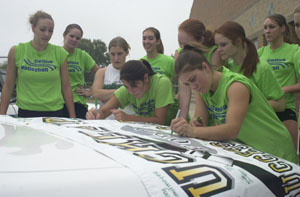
(238,108)
(143,90)
(193,30)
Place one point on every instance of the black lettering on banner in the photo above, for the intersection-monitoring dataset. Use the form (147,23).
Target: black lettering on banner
(239,149)
(242,150)
(92,128)
(270,180)
(291,182)
(146,149)
(163,153)
(103,136)
(185,175)
(132,145)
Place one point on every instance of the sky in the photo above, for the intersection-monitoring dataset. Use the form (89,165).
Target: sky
(99,19)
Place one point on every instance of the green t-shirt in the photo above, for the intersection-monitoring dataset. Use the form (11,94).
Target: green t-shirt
(38,77)
(285,63)
(261,127)
(78,62)
(145,106)
(263,78)
(162,64)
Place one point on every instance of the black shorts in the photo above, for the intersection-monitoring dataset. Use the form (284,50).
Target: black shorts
(287,114)
(80,111)
(29,114)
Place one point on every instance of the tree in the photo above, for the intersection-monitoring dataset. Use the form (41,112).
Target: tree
(97,49)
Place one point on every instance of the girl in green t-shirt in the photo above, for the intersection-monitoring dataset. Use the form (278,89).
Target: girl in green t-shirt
(232,43)
(284,59)
(79,62)
(237,106)
(154,48)
(193,30)
(143,90)
(40,72)
(160,63)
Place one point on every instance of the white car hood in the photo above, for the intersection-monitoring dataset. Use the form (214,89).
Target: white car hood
(71,157)
(27,149)
(34,163)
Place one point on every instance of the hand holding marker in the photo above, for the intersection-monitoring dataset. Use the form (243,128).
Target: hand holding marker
(177,115)
(199,119)
(199,122)
(96,105)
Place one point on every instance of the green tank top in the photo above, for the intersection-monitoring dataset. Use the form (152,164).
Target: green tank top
(261,128)
(38,77)
(263,78)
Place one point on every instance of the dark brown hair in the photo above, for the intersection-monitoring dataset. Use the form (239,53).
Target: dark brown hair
(190,58)
(134,70)
(197,29)
(235,32)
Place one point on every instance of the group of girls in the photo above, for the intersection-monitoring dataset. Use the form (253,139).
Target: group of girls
(241,94)
(256,108)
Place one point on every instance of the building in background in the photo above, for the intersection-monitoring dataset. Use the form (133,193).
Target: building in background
(249,13)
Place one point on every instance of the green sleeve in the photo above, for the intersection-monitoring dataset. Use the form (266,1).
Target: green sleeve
(172,70)
(61,55)
(18,52)
(165,88)
(88,61)
(169,66)
(260,51)
(269,85)
(296,60)
(123,96)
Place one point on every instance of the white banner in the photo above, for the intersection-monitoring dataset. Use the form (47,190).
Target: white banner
(169,165)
